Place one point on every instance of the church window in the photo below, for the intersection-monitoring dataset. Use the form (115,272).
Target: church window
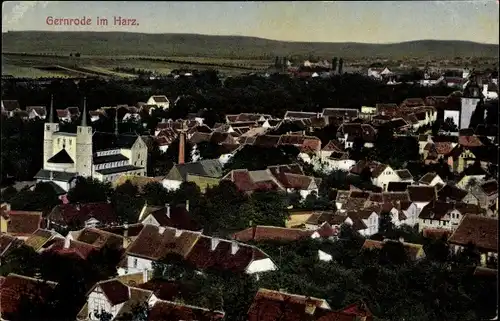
(138,156)
(141,163)
(70,142)
(47,127)
(58,141)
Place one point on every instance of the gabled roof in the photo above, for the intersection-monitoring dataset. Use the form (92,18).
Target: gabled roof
(23,222)
(105,141)
(160,99)
(62,157)
(166,310)
(451,193)
(480,230)
(404,174)
(65,214)
(206,168)
(40,238)
(115,291)
(8,243)
(422,193)
(39,110)
(263,233)
(16,287)
(490,187)
(177,217)
(271,305)
(10,105)
(428,178)
(332,146)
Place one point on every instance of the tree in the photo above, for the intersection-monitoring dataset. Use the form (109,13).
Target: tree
(269,208)
(89,190)
(254,157)
(208,150)
(8,193)
(385,223)
(22,260)
(155,194)
(126,203)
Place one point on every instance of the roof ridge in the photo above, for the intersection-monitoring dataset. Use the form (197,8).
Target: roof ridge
(189,306)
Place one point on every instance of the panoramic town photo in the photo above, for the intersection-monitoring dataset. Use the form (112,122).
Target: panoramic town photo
(249,161)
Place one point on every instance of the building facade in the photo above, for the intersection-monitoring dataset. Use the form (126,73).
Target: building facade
(103,156)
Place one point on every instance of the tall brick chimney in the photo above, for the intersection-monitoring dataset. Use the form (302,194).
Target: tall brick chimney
(182,143)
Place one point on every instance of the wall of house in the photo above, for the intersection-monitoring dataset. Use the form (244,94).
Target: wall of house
(135,265)
(323,256)
(372,224)
(411,215)
(164,105)
(150,220)
(97,301)
(428,223)
(465,180)
(263,265)
(470,199)
(171,184)
(389,175)
(64,185)
(453,114)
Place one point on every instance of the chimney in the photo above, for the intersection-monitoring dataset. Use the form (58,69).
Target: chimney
(67,241)
(182,140)
(187,205)
(77,205)
(214,242)
(402,239)
(51,175)
(234,248)
(167,206)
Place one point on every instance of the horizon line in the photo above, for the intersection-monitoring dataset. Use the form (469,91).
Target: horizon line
(254,37)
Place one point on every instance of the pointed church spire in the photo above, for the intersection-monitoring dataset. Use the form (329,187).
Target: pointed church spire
(84,116)
(116,122)
(51,117)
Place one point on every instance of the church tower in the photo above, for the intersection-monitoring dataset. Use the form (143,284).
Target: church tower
(84,145)
(49,129)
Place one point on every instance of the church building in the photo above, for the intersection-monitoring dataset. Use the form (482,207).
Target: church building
(102,156)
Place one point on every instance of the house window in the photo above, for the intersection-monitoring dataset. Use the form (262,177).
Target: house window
(444,223)
(135,263)
(70,142)
(58,141)
(141,163)
(138,156)
(47,127)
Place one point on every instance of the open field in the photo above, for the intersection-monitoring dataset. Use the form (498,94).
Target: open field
(40,65)
(233,47)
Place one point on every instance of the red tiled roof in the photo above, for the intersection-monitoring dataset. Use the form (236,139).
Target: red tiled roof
(100,238)
(166,310)
(480,230)
(274,305)
(436,233)
(490,187)
(202,256)
(8,243)
(262,233)
(422,193)
(115,291)
(23,222)
(152,244)
(332,146)
(165,290)
(177,217)
(469,141)
(79,213)
(16,287)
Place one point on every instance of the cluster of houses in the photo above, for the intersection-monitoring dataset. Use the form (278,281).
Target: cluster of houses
(487,81)
(462,208)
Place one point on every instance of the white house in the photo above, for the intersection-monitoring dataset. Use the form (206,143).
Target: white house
(382,175)
(488,93)
(431,179)
(159,100)
(155,243)
(439,215)
(365,221)
(106,296)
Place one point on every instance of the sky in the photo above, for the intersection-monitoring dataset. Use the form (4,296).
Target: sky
(318,21)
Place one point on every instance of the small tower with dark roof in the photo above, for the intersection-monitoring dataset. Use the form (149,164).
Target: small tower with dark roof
(50,128)
(83,145)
